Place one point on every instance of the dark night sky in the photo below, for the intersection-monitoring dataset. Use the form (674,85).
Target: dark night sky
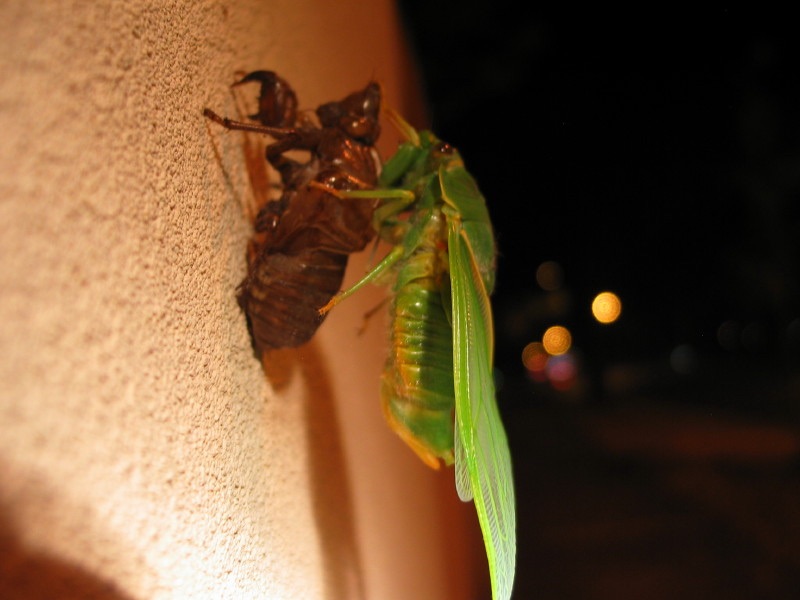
(655,156)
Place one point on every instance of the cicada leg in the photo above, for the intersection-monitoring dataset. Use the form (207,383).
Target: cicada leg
(403,126)
(371,313)
(396,201)
(381,268)
(234,125)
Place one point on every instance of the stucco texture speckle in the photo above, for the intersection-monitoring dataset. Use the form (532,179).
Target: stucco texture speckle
(144,453)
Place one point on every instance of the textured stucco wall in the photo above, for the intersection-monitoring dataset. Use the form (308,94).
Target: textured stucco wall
(143,452)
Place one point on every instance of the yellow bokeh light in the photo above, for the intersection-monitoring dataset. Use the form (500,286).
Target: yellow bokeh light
(557,340)
(606,307)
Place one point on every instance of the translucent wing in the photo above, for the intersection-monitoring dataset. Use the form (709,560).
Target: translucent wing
(483,462)
(463,483)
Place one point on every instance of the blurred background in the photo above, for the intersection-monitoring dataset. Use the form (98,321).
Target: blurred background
(643,175)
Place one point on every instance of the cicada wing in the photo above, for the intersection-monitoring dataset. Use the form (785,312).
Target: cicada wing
(482,439)
(463,483)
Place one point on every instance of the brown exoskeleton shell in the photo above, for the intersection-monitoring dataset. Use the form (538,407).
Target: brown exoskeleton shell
(302,241)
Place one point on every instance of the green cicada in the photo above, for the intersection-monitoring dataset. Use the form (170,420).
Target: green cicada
(442,269)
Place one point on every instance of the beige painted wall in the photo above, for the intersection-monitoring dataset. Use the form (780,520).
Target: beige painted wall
(143,452)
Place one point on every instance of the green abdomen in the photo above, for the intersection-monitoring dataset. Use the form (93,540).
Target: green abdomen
(417,388)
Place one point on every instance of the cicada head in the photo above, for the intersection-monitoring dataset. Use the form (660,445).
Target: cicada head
(356,115)
(442,154)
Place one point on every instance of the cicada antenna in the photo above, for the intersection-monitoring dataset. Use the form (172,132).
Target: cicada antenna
(403,126)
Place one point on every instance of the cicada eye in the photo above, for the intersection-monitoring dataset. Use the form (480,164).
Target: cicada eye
(444,149)
(371,106)
(357,127)
(365,129)
(332,180)
(441,152)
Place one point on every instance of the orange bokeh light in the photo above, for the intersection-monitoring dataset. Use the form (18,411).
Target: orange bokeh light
(606,307)
(557,340)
